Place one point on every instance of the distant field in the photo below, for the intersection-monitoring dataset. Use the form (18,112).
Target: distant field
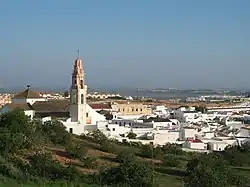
(171,104)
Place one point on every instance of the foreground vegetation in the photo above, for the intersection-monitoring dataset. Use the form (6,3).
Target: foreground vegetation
(36,154)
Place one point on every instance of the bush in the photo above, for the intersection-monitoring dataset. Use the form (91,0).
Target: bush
(171,161)
(56,132)
(125,155)
(131,135)
(107,146)
(131,173)
(89,162)
(172,149)
(97,136)
(77,150)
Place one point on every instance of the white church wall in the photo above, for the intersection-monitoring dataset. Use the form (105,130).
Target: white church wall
(130,117)
(74,127)
(30,113)
(30,101)
(116,130)
(95,116)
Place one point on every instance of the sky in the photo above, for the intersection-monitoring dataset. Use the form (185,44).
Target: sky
(126,43)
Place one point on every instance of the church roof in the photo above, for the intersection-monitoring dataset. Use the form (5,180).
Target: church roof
(51,106)
(22,106)
(28,94)
(62,106)
(100,106)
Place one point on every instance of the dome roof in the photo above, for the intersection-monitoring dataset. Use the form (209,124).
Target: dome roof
(28,94)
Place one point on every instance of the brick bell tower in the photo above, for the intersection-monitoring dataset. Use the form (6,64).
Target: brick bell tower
(78,93)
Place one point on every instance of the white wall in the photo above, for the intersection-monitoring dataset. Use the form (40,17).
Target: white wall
(162,124)
(188,133)
(161,138)
(195,145)
(74,127)
(131,117)
(30,101)
(95,116)
(46,119)
(116,130)
(217,146)
(30,113)
(209,135)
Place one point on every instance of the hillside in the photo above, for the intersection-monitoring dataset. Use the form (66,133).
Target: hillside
(35,154)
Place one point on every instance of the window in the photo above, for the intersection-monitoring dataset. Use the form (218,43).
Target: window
(141,109)
(82,84)
(73,98)
(132,110)
(87,114)
(136,110)
(75,82)
(113,129)
(82,99)
(124,123)
(71,130)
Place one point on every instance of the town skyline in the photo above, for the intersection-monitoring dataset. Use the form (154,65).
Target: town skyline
(128,44)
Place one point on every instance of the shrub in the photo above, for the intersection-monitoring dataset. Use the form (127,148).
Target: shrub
(125,155)
(89,162)
(131,135)
(171,161)
(75,150)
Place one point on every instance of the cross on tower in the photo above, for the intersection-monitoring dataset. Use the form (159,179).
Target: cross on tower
(78,53)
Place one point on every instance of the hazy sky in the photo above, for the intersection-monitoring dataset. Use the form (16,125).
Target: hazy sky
(126,43)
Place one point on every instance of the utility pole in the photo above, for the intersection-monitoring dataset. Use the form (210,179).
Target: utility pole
(152,156)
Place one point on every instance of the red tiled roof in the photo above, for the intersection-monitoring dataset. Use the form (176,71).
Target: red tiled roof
(100,106)
(196,141)
(27,94)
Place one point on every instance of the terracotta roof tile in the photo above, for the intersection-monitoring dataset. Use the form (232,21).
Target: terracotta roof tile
(100,106)
(27,94)
(51,106)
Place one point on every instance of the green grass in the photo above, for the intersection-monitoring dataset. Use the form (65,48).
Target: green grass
(14,184)
(164,180)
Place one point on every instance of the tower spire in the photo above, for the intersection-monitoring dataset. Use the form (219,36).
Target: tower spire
(78,53)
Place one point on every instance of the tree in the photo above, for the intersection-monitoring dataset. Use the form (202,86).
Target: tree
(171,161)
(174,149)
(97,136)
(131,135)
(16,132)
(57,132)
(130,173)
(147,151)
(201,108)
(89,162)
(77,150)
(125,155)
(206,171)
(66,94)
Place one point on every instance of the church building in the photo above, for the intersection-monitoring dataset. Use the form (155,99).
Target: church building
(82,116)
(77,115)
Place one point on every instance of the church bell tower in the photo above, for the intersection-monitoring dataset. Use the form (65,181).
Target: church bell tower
(78,93)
